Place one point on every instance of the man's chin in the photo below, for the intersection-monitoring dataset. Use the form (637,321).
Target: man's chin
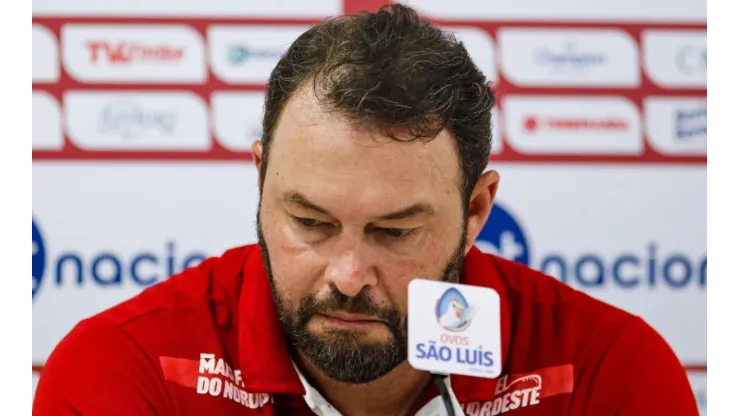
(346,358)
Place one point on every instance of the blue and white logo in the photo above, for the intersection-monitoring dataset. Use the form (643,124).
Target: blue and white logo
(128,120)
(645,267)
(691,123)
(569,58)
(453,311)
(238,54)
(105,268)
(38,262)
(503,236)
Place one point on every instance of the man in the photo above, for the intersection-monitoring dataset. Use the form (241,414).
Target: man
(371,172)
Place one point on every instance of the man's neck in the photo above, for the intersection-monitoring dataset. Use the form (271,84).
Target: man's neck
(391,395)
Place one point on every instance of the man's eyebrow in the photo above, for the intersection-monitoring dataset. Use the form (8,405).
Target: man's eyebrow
(299,199)
(416,209)
(411,211)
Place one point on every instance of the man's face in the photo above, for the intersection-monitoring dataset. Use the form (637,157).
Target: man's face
(347,218)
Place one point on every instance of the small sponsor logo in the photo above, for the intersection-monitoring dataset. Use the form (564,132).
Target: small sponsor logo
(691,123)
(133,53)
(568,58)
(248,54)
(128,119)
(126,53)
(572,125)
(533,124)
(691,60)
(595,58)
(676,58)
(677,126)
(239,54)
(137,120)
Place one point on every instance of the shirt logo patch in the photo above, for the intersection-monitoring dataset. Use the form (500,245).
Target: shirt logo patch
(515,391)
(211,376)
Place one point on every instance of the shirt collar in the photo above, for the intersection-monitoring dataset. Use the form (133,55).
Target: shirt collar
(267,366)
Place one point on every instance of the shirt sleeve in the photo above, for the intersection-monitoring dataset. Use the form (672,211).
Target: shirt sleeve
(641,375)
(98,370)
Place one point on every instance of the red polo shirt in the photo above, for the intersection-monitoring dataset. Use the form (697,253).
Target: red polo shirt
(207,342)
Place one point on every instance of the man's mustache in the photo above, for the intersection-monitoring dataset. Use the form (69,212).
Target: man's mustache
(360,304)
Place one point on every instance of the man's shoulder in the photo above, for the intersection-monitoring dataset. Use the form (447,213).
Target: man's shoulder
(216,279)
(608,348)
(532,289)
(574,323)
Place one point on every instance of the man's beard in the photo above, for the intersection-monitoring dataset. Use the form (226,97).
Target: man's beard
(342,356)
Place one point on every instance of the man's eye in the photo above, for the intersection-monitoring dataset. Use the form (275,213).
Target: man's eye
(398,232)
(308,222)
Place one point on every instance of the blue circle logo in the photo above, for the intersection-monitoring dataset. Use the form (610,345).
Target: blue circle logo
(453,311)
(38,263)
(503,236)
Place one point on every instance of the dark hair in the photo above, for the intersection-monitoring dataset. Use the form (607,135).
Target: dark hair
(390,71)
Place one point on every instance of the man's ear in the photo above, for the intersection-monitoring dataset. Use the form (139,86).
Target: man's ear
(480,205)
(257,151)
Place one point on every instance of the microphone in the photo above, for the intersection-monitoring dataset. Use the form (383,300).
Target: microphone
(453,329)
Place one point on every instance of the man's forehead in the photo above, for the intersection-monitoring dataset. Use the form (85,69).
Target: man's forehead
(316,142)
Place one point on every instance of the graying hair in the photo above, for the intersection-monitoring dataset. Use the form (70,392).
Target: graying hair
(393,72)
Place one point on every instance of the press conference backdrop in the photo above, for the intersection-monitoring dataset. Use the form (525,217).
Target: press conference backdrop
(143,116)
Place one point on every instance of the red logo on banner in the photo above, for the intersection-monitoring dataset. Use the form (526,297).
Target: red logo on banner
(514,391)
(127,52)
(532,124)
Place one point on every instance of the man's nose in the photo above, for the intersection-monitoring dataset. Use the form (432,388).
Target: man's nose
(352,270)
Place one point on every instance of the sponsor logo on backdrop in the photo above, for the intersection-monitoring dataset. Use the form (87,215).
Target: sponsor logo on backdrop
(72,267)
(137,121)
(533,124)
(645,265)
(128,53)
(38,262)
(569,57)
(572,125)
(676,58)
(248,54)
(128,119)
(691,123)
(45,54)
(691,60)
(239,54)
(133,53)
(677,126)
